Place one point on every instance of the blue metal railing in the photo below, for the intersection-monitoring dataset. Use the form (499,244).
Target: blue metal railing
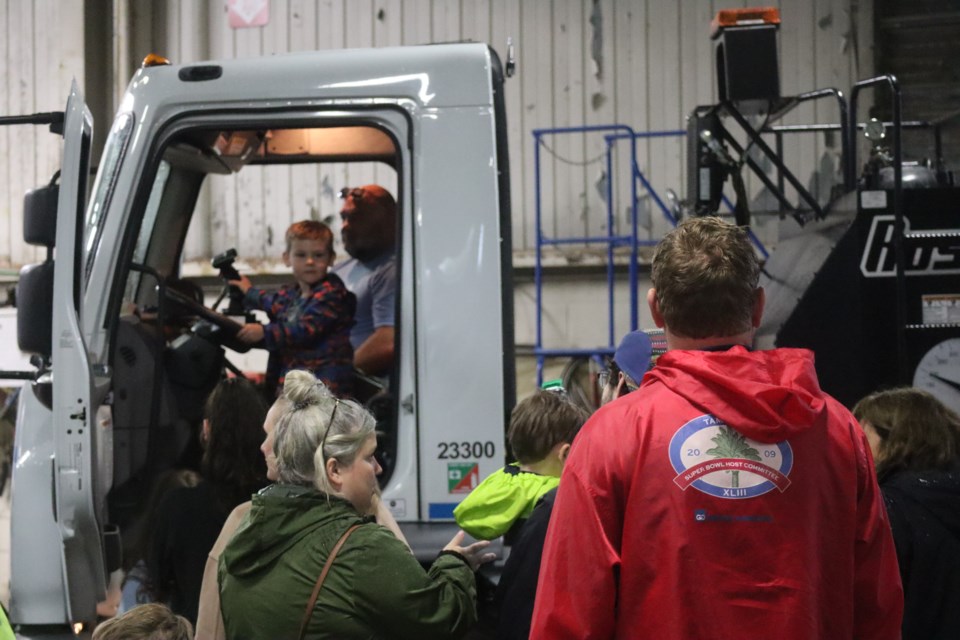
(614,133)
(611,240)
(638,174)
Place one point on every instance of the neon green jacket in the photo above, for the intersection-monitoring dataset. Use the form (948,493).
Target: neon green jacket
(499,501)
(6,631)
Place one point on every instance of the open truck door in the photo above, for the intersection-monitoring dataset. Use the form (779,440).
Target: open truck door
(56,520)
(75,432)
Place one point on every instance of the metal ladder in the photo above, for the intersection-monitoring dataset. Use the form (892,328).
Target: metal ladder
(612,134)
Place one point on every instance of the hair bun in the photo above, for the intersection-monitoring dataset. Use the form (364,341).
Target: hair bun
(304,390)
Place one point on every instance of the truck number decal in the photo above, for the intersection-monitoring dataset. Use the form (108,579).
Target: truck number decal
(457,450)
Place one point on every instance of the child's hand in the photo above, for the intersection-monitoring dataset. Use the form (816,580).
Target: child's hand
(251,333)
(474,554)
(243,283)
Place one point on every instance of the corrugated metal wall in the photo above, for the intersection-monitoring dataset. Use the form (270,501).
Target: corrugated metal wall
(642,63)
(41,43)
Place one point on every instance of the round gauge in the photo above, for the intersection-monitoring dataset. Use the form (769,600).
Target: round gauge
(939,372)
(873,130)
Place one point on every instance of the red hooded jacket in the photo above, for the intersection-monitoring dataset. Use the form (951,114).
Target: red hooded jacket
(728,498)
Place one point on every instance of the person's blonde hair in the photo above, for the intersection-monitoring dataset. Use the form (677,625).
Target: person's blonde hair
(145,622)
(705,273)
(917,431)
(316,426)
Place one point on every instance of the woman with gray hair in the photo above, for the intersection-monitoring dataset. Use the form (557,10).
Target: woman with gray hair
(310,561)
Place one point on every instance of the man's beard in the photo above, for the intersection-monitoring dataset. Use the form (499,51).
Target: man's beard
(362,252)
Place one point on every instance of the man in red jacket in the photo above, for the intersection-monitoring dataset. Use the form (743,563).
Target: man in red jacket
(729,497)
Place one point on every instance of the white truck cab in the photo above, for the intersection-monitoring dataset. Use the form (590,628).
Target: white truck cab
(113,403)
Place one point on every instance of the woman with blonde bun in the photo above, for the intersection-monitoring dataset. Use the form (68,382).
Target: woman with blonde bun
(326,486)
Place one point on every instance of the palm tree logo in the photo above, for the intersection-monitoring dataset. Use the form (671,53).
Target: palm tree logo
(731,444)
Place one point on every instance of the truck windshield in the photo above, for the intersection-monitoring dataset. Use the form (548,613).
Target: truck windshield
(103,188)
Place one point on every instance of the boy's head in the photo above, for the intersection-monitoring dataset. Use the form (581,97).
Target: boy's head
(145,622)
(544,425)
(309,251)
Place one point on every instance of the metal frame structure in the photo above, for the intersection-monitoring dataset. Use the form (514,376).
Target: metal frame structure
(754,136)
(807,208)
(618,132)
(613,133)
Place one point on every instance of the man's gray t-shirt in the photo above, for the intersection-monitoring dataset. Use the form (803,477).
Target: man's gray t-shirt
(375,285)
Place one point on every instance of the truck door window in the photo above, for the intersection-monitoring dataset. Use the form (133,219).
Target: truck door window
(337,157)
(103,189)
(146,230)
(152,394)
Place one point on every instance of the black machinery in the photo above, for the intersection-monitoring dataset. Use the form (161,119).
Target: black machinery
(868,278)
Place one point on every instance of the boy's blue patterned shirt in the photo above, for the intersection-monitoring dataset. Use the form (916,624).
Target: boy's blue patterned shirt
(311,333)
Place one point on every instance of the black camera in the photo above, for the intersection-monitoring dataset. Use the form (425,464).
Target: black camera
(224,262)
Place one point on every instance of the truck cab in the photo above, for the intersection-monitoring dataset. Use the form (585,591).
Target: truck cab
(115,398)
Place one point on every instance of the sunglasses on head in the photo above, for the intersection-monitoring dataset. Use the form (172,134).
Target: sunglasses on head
(356,193)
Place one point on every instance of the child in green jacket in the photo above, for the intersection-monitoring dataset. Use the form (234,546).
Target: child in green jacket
(542,428)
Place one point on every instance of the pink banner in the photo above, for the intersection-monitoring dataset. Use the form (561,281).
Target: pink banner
(248,13)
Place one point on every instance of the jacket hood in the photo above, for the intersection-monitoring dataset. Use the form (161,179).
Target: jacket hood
(280,517)
(783,397)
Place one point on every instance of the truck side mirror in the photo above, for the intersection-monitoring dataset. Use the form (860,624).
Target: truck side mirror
(40,215)
(35,284)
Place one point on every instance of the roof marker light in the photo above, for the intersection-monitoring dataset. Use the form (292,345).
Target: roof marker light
(154,60)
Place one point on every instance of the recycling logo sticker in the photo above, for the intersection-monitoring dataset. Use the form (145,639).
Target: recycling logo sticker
(711,457)
(462,477)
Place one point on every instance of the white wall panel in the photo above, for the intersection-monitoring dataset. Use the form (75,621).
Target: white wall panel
(568,85)
(417,20)
(388,22)
(42,44)
(630,75)
(598,103)
(23,139)
(475,18)
(446,21)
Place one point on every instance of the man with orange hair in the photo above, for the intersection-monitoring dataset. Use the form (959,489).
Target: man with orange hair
(369,216)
